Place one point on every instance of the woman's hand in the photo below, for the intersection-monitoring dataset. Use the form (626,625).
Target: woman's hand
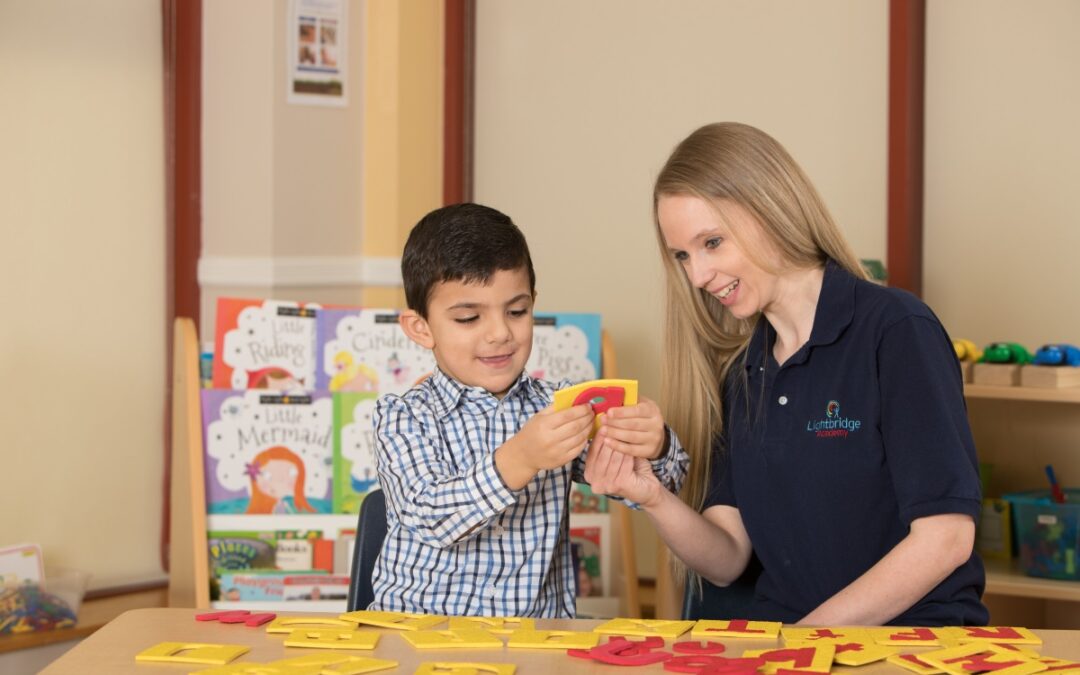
(636,430)
(611,472)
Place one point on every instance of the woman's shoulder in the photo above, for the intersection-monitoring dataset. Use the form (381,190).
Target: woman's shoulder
(886,305)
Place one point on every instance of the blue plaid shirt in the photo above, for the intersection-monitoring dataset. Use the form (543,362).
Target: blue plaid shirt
(459,542)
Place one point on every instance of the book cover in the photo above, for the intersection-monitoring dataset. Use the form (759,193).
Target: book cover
(565,346)
(584,500)
(240,550)
(589,548)
(267,453)
(365,350)
(354,449)
(264,344)
(316,587)
(258,585)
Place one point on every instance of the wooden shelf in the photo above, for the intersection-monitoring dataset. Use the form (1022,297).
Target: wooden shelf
(1006,578)
(1065,395)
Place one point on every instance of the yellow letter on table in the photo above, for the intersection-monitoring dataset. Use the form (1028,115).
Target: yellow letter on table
(397,620)
(332,638)
(446,668)
(553,639)
(645,627)
(191,652)
(707,629)
(464,638)
(499,625)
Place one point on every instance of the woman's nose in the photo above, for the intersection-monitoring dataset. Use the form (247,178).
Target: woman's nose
(698,273)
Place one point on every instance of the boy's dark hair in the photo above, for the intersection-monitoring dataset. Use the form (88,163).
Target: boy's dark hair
(463,242)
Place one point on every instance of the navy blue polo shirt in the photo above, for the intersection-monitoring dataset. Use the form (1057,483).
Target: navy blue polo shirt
(830,456)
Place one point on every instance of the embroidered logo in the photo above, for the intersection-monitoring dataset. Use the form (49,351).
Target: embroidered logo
(833,425)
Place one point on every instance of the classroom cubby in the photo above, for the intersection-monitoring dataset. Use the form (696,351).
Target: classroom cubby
(1019,430)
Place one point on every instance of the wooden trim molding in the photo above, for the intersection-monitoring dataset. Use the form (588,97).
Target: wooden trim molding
(907,66)
(458,100)
(181,28)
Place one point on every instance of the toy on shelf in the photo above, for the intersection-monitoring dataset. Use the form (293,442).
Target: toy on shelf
(1005,352)
(1057,355)
(966,350)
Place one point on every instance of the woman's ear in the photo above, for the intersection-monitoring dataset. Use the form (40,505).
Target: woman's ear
(417,328)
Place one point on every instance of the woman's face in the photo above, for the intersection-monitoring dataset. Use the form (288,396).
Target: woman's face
(700,241)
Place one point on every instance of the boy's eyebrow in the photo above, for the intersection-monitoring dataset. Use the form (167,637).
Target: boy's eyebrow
(474,305)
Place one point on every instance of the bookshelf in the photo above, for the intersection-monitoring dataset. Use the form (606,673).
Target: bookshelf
(189,581)
(1019,430)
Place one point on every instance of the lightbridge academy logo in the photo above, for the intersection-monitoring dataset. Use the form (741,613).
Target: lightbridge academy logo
(833,425)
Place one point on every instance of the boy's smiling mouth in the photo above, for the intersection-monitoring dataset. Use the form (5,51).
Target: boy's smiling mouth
(496,361)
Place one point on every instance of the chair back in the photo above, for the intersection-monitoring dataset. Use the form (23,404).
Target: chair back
(723,602)
(370,533)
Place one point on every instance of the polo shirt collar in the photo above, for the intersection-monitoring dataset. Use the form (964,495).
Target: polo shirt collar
(835,310)
(449,394)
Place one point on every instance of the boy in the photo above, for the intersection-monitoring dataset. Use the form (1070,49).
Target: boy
(475,464)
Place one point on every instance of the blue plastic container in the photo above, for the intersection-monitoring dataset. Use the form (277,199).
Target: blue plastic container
(1047,535)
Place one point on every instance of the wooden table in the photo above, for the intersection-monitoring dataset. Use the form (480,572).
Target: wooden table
(112,649)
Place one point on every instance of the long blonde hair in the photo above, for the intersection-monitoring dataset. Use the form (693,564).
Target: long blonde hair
(723,163)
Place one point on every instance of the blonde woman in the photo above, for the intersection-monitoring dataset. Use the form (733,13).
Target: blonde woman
(824,414)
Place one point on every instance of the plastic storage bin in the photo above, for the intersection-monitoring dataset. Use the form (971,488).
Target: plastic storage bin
(46,606)
(1047,535)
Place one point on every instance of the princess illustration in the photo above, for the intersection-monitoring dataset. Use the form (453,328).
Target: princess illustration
(277,482)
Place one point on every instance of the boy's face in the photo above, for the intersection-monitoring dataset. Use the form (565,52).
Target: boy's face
(481,334)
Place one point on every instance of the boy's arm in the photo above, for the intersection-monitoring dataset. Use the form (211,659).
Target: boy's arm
(673,463)
(440,504)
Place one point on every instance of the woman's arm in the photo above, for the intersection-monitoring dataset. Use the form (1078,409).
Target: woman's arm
(715,544)
(934,547)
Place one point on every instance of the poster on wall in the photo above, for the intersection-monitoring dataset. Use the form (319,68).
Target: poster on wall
(316,42)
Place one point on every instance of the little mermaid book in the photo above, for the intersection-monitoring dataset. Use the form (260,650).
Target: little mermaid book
(267,452)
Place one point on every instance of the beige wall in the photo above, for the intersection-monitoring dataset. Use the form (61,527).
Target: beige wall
(579,104)
(82,268)
(286,184)
(1002,166)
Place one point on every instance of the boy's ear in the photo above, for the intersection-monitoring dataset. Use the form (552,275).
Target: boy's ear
(416,327)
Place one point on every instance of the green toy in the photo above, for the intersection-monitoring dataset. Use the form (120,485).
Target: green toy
(1005,352)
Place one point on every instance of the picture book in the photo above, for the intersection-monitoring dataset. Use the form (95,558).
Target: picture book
(240,550)
(354,449)
(590,550)
(264,344)
(267,452)
(584,500)
(565,346)
(365,350)
(21,564)
(259,585)
(316,587)
(262,549)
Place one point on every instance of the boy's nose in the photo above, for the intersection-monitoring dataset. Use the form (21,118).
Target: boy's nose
(498,331)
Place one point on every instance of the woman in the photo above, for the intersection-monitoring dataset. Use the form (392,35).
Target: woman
(824,414)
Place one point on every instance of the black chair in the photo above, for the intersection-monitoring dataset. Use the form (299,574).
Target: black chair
(722,602)
(370,533)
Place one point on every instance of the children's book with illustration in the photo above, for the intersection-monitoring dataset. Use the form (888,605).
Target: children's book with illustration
(267,452)
(365,350)
(590,544)
(354,449)
(264,344)
(565,346)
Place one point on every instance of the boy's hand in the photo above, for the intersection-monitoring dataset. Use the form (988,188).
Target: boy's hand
(636,430)
(547,441)
(611,472)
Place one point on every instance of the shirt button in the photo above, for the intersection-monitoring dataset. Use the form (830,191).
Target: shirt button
(782,400)
(499,530)
(491,590)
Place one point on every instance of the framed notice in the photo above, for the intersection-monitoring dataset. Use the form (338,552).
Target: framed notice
(316,48)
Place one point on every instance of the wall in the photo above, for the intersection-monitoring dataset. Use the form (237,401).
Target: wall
(1002,156)
(82,342)
(307,202)
(579,104)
